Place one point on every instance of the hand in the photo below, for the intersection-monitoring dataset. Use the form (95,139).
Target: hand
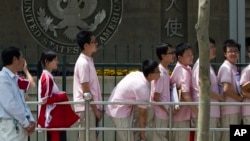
(98,114)
(222,98)
(176,109)
(27,97)
(240,99)
(25,66)
(178,87)
(31,128)
(142,136)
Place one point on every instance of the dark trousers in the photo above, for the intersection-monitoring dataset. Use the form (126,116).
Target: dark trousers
(63,135)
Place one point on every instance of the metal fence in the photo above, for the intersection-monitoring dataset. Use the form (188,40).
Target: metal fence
(170,129)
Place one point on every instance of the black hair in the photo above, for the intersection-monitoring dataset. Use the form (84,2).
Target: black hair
(181,48)
(47,56)
(83,37)
(149,66)
(8,54)
(230,43)
(162,48)
(211,40)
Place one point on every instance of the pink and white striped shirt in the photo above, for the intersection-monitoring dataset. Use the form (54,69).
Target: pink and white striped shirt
(245,77)
(214,87)
(161,86)
(227,73)
(181,75)
(85,72)
(132,88)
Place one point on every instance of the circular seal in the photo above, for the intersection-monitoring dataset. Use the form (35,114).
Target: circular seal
(54,24)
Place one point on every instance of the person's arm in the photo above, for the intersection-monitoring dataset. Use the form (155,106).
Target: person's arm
(29,76)
(186,98)
(219,97)
(245,91)
(228,90)
(85,89)
(142,121)
(46,94)
(158,99)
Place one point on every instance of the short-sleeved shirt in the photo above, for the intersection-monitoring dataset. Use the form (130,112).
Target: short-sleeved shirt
(214,87)
(245,77)
(85,71)
(181,75)
(132,88)
(227,73)
(161,86)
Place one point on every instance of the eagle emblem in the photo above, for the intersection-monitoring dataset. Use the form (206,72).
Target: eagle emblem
(54,24)
(71,15)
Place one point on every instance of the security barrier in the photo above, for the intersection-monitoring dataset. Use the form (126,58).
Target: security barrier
(169,129)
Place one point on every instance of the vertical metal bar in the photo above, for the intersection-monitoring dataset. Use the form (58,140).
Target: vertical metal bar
(115,62)
(64,72)
(127,58)
(153,52)
(38,55)
(129,136)
(241,28)
(103,57)
(25,51)
(213,135)
(1,48)
(87,97)
(140,46)
(170,122)
(233,19)
(45,135)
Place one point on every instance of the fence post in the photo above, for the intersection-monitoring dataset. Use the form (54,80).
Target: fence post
(64,72)
(170,122)
(140,46)
(87,97)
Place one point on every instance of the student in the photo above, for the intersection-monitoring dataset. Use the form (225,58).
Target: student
(134,87)
(50,114)
(245,87)
(161,90)
(181,76)
(229,78)
(215,96)
(16,120)
(86,81)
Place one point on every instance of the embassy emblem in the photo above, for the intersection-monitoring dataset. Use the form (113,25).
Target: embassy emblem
(54,24)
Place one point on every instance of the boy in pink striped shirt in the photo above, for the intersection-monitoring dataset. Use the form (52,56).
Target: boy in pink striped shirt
(229,78)
(161,90)
(215,96)
(244,80)
(134,87)
(181,76)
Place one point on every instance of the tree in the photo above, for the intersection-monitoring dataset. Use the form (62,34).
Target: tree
(204,75)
